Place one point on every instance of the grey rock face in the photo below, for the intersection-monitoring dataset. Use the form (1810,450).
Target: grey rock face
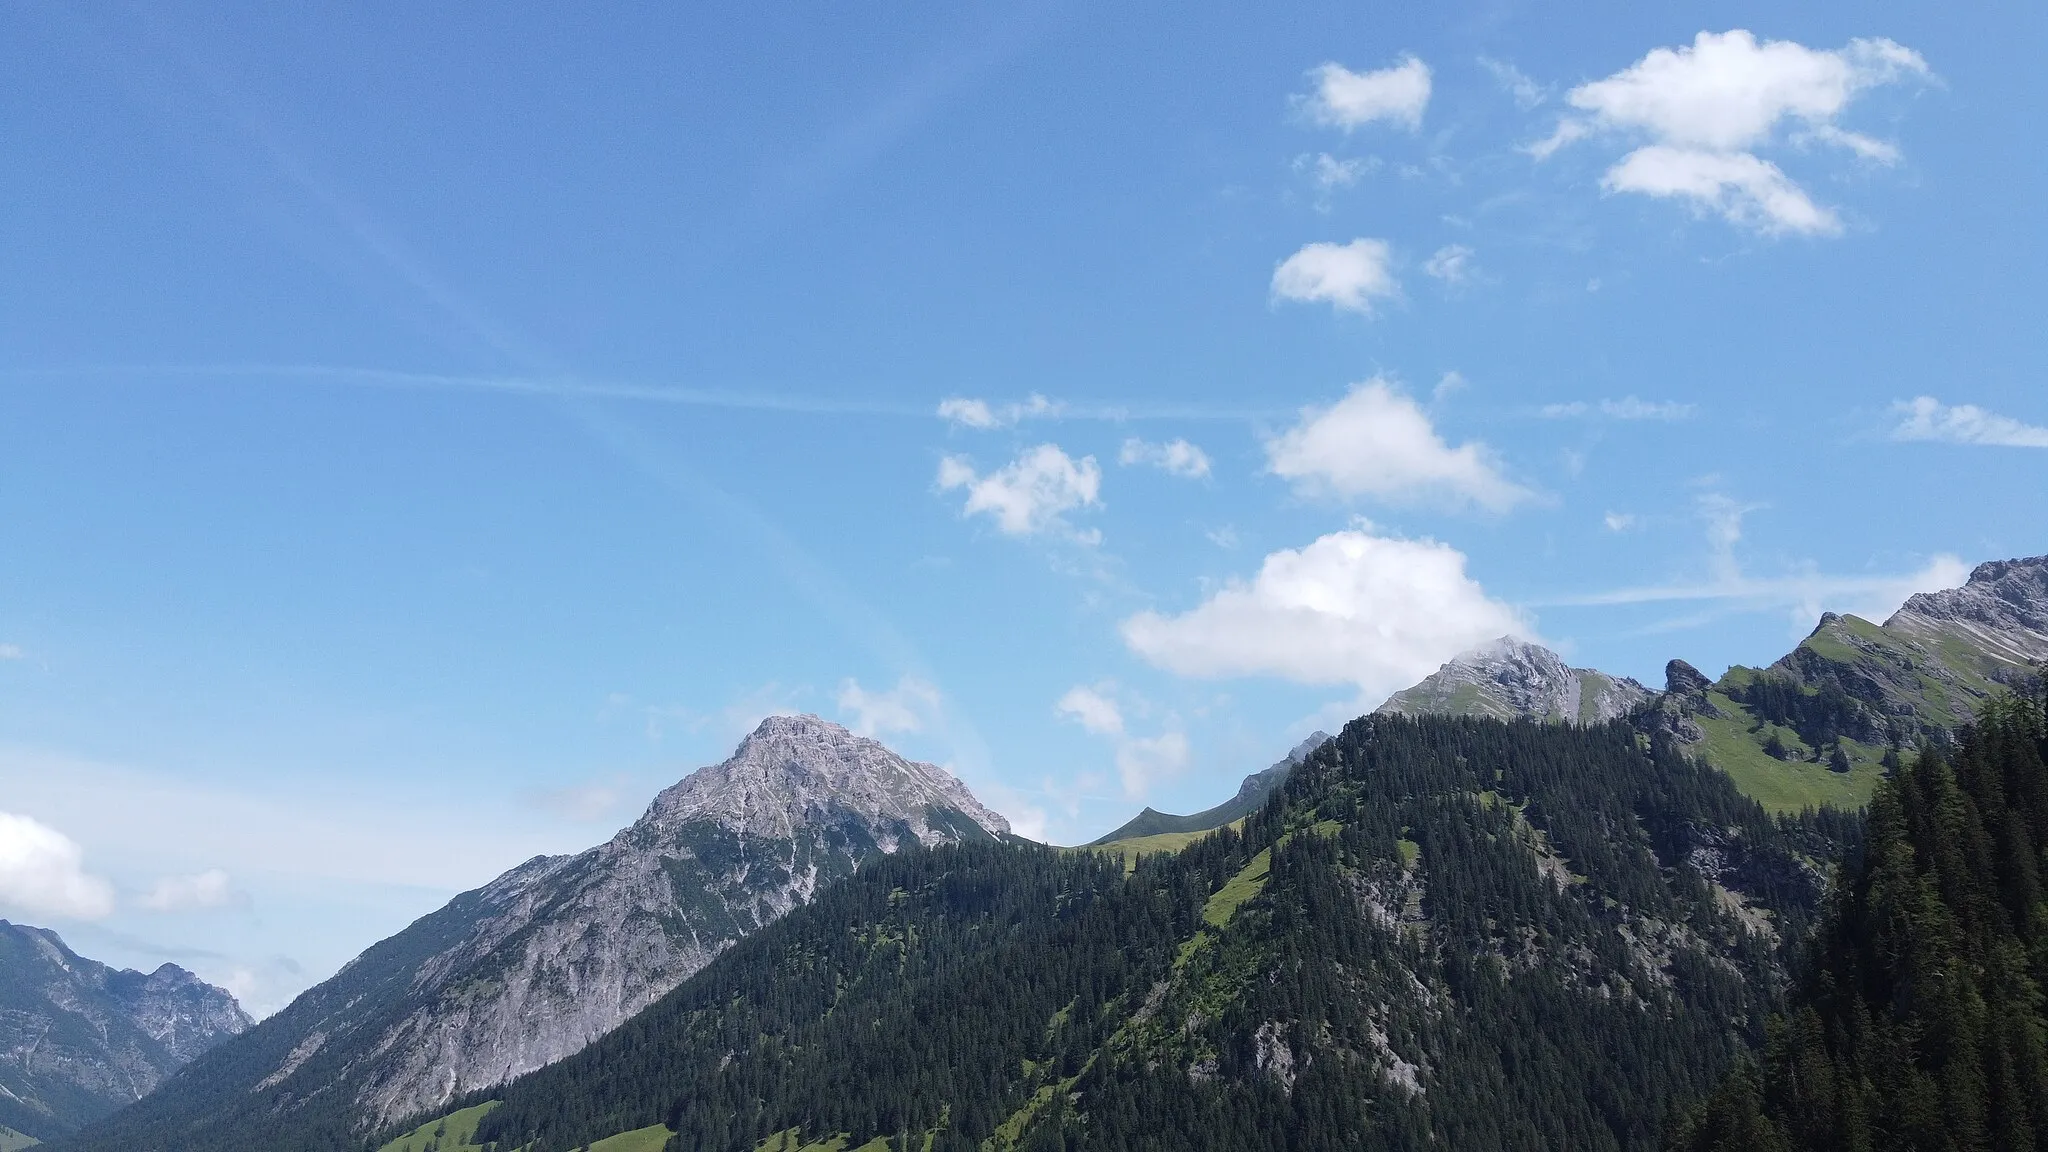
(79,1039)
(2002,609)
(561,950)
(1509,679)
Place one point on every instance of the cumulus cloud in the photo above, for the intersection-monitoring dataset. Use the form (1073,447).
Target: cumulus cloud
(1030,495)
(1626,408)
(1451,264)
(969,412)
(42,871)
(1345,99)
(1175,457)
(1377,442)
(907,707)
(1702,110)
(1348,277)
(208,889)
(1353,607)
(1141,761)
(1925,418)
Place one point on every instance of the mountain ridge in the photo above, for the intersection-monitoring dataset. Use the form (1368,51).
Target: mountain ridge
(558,951)
(79,1038)
(1250,794)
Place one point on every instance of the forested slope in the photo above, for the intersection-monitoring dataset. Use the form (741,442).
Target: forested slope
(1922,1023)
(1441,932)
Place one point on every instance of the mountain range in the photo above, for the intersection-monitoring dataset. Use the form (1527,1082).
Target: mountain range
(79,1039)
(782,865)
(538,963)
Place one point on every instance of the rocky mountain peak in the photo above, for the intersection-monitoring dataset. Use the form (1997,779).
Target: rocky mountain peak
(797,770)
(1510,677)
(1682,679)
(79,1038)
(2002,608)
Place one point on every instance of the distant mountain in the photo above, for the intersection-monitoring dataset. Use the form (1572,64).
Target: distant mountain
(561,950)
(1818,726)
(1444,933)
(79,1039)
(1250,794)
(1509,679)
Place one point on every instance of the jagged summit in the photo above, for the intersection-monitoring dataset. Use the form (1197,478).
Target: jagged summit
(562,949)
(79,1039)
(794,770)
(1510,678)
(2002,609)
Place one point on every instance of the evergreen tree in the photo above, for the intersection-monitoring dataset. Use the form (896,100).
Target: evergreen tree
(1922,1025)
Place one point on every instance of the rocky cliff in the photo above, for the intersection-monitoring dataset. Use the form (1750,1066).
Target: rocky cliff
(1509,679)
(561,950)
(79,1039)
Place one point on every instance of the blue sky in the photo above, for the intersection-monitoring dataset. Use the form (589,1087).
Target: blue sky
(425,434)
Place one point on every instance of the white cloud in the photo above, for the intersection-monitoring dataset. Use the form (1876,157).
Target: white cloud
(1353,607)
(1349,277)
(969,412)
(1743,188)
(1451,264)
(1925,418)
(1346,99)
(1704,109)
(208,889)
(1093,709)
(1141,761)
(1448,384)
(1514,82)
(1377,442)
(12,652)
(1619,521)
(908,707)
(1626,408)
(42,871)
(1175,457)
(1031,494)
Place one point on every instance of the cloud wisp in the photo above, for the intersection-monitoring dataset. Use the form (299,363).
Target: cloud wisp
(1141,761)
(1378,443)
(1700,112)
(208,889)
(969,412)
(1925,418)
(1626,408)
(910,706)
(1174,457)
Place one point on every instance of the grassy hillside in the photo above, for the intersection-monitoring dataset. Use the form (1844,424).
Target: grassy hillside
(1814,729)
(12,1141)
